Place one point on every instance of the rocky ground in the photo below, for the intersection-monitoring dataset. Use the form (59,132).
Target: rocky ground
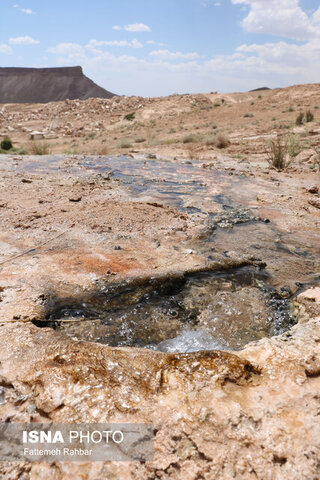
(69,231)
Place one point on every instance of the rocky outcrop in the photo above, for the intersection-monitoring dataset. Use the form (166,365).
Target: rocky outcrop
(42,85)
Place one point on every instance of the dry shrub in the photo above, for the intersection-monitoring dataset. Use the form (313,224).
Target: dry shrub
(39,148)
(219,140)
(309,116)
(102,150)
(191,151)
(191,138)
(125,143)
(278,153)
(299,119)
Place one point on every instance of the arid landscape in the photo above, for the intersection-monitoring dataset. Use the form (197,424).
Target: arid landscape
(160,263)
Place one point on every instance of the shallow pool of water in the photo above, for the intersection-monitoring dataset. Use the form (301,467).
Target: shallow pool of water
(228,310)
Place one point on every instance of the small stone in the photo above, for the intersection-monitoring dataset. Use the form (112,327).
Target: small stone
(117,247)
(315,202)
(313,189)
(75,199)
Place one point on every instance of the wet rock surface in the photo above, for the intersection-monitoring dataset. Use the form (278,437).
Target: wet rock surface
(234,308)
(197,265)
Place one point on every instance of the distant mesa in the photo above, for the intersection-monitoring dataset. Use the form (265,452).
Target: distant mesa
(260,89)
(42,85)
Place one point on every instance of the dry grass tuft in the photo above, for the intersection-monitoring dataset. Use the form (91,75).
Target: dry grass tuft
(278,153)
(39,148)
(219,140)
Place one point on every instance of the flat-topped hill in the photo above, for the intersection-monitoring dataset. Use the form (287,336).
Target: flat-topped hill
(42,85)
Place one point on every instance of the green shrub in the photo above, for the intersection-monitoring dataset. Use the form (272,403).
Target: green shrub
(130,116)
(6,144)
(309,116)
(299,119)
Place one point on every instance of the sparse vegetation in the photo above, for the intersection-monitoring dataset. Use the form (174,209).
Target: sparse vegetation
(125,143)
(219,140)
(102,150)
(248,115)
(90,136)
(6,144)
(278,152)
(299,119)
(129,116)
(191,151)
(309,116)
(191,138)
(39,148)
(140,140)
(294,146)
(73,150)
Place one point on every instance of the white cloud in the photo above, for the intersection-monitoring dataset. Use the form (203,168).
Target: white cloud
(69,53)
(167,55)
(133,27)
(114,43)
(136,44)
(153,42)
(208,3)
(5,49)
(28,11)
(66,49)
(272,64)
(137,27)
(284,18)
(26,40)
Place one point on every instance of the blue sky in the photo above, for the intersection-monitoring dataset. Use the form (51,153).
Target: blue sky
(151,47)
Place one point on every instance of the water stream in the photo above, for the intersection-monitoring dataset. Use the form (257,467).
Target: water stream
(202,311)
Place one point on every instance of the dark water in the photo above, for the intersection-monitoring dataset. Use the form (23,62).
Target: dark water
(209,310)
